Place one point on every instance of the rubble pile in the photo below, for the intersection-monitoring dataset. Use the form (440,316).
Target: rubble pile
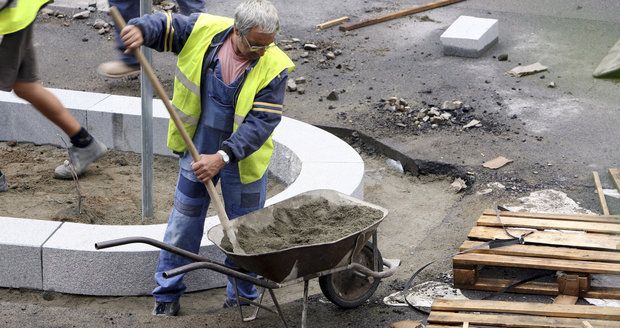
(423,116)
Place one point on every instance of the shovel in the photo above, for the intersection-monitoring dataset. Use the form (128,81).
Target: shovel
(215,197)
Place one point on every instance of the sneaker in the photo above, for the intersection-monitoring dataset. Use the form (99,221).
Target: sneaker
(80,158)
(169,309)
(118,69)
(3,184)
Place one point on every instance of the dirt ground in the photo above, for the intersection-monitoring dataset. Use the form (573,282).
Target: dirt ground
(110,190)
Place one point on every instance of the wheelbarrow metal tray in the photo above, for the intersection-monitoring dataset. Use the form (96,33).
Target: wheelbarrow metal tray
(303,260)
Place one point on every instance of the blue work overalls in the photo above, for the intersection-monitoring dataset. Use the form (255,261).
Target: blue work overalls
(191,199)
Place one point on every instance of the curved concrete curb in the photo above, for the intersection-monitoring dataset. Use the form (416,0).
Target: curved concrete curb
(61,256)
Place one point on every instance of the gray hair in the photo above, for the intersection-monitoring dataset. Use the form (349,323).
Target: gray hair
(256,13)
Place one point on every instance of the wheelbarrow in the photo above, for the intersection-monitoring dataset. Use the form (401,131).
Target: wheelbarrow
(349,269)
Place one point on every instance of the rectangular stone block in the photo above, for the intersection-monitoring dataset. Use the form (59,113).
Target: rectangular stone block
(20,251)
(470,36)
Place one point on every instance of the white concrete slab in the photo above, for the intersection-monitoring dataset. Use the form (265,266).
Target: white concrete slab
(470,36)
(20,251)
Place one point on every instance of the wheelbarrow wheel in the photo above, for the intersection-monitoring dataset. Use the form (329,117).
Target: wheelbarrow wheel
(349,289)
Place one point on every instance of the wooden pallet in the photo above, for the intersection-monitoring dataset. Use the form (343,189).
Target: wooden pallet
(586,244)
(472,313)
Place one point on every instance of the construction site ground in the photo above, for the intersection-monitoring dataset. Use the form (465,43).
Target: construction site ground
(555,136)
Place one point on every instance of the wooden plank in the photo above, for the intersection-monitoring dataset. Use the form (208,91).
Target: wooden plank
(398,14)
(557,238)
(514,320)
(539,309)
(598,227)
(540,288)
(599,192)
(536,263)
(551,252)
(567,217)
(332,22)
(615,176)
(565,300)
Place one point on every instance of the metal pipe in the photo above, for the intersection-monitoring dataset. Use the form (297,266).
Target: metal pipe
(221,269)
(146,95)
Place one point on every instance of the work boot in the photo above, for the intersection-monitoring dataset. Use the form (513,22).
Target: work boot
(117,69)
(80,158)
(169,309)
(231,303)
(3,185)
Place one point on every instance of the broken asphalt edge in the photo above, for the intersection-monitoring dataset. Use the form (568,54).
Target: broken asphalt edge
(411,165)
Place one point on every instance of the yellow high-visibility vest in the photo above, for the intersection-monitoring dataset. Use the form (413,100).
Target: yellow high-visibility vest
(186,98)
(18,15)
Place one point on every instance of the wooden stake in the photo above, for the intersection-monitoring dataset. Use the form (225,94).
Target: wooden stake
(332,22)
(599,191)
(398,14)
(615,175)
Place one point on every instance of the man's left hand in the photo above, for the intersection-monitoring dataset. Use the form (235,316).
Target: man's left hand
(208,166)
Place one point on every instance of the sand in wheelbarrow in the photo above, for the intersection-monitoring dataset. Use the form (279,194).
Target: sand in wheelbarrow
(312,223)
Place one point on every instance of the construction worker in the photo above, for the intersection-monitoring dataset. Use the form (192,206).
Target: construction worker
(128,65)
(18,72)
(229,89)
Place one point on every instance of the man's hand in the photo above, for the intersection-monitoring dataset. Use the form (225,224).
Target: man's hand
(208,166)
(131,36)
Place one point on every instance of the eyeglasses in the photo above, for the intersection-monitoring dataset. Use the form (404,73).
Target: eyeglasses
(256,48)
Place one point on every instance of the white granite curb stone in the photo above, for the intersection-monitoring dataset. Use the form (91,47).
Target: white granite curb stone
(61,256)
(469,36)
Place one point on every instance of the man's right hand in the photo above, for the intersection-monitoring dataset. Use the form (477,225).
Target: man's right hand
(131,36)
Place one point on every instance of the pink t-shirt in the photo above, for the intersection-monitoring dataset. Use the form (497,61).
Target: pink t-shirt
(231,63)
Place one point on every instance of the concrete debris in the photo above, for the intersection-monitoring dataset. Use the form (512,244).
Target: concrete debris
(497,162)
(458,185)
(337,52)
(304,54)
(300,80)
(296,40)
(502,57)
(527,70)
(311,46)
(333,95)
(291,85)
(406,324)
(99,23)
(81,15)
(92,9)
(496,185)
(551,85)
(330,55)
(47,11)
(451,105)
(472,123)
(288,47)
(484,191)
(301,91)
(394,165)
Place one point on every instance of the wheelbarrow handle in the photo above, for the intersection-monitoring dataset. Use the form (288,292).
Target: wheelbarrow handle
(152,242)
(221,268)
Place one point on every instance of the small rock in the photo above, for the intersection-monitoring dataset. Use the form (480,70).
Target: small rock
(311,46)
(59,15)
(102,31)
(551,85)
(337,52)
(300,80)
(330,55)
(295,40)
(458,185)
(66,24)
(84,39)
(401,125)
(301,91)
(92,9)
(304,54)
(471,123)
(333,96)
(451,105)
(47,11)
(99,23)
(82,15)
(502,57)
(288,47)
(485,191)
(48,295)
(291,85)
(331,107)
(11,143)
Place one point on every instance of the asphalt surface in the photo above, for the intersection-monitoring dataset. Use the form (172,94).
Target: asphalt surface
(556,136)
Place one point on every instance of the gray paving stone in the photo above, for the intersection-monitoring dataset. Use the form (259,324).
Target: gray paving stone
(470,36)
(20,251)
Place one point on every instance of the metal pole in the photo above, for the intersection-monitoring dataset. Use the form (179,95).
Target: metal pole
(146,93)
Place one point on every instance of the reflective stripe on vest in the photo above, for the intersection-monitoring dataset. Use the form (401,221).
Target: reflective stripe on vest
(19,15)
(187,90)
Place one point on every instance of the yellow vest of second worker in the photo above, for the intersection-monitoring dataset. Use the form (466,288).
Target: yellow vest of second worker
(19,15)
(186,98)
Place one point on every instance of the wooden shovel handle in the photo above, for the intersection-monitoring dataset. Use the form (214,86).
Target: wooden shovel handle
(159,90)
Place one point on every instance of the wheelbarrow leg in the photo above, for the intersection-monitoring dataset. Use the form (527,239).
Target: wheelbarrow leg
(304,309)
(258,304)
(275,302)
